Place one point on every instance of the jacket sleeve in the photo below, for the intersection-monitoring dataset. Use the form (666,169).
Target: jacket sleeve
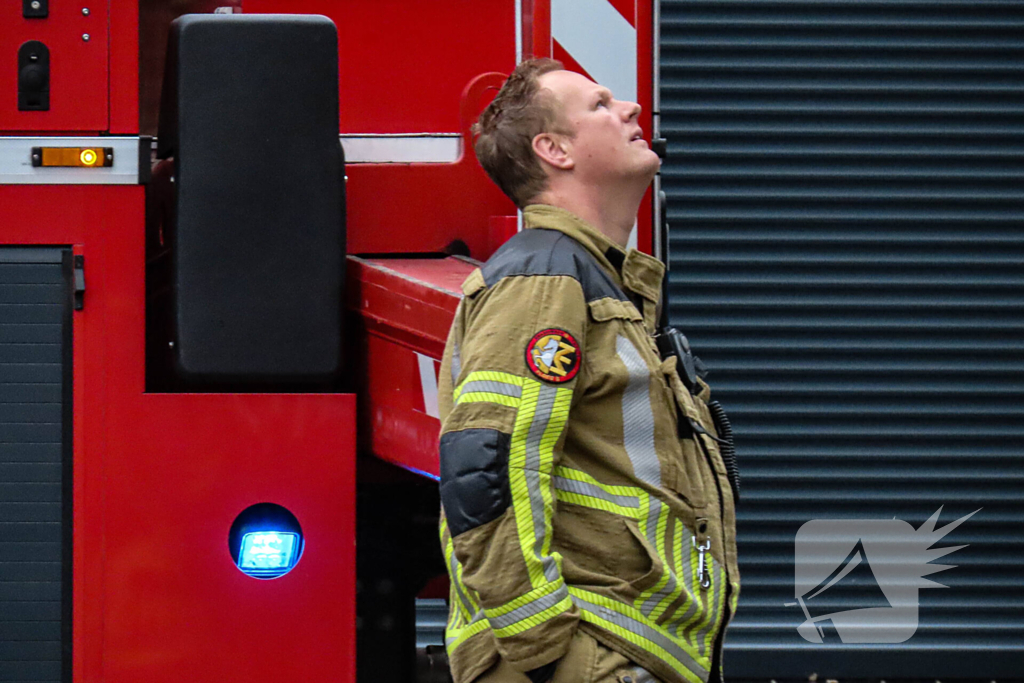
(512,364)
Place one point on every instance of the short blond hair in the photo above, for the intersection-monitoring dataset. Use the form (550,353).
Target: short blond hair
(506,128)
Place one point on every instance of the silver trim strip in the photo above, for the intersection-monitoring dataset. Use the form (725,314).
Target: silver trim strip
(16,161)
(413,148)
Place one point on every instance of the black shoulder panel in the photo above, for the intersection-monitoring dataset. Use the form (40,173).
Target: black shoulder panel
(474,477)
(539,251)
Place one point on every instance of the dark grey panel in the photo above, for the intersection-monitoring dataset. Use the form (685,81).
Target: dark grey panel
(33,452)
(34,461)
(846,196)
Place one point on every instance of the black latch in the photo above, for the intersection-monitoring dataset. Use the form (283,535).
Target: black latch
(35,9)
(79,282)
(33,77)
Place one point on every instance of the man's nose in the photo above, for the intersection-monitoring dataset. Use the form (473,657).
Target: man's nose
(631,109)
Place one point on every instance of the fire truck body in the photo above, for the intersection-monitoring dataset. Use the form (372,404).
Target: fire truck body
(134,477)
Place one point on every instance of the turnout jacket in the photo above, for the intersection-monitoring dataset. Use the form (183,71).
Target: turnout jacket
(571,496)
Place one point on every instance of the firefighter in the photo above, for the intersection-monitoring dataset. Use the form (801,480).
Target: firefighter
(587,520)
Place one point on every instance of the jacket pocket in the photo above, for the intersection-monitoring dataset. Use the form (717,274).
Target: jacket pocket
(643,545)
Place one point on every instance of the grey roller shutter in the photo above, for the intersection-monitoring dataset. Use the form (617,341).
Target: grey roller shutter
(35,464)
(846,200)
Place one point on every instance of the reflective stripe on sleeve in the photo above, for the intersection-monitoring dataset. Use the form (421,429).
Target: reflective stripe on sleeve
(457,636)
(467,605)
(489,382)
(530,610)
(630,624)
(541,417)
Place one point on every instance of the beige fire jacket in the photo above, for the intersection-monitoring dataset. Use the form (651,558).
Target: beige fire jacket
(571,497)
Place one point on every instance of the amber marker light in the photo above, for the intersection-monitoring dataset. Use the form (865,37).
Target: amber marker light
(73,157)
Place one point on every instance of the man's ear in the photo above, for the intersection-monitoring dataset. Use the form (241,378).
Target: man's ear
(554,150)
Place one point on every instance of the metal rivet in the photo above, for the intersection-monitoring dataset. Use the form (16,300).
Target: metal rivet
(35,4)
(33,57)
(85,11)
(85,37)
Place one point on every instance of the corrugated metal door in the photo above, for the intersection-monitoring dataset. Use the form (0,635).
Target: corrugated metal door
(846,200)
(35,464)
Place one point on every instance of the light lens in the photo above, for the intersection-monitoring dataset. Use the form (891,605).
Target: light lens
(266,552)
(265,541)
(73,157)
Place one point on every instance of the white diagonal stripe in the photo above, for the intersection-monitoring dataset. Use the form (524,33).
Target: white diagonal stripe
(600,40)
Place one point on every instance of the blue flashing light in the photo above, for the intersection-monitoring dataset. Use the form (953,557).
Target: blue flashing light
(268,554)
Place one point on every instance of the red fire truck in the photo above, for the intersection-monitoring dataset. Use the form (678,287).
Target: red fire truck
(221,324)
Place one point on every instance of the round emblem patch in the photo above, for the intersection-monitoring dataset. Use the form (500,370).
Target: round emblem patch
(553,355)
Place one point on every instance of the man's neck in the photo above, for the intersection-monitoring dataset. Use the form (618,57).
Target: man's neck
(612,213)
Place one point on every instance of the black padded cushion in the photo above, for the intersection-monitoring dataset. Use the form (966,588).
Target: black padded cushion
(250,115)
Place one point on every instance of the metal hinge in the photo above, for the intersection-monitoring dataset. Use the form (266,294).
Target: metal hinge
(79,282)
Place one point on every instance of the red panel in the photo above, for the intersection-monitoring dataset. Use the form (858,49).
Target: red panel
(160,477)
(78,68)
(627,8)
(124,67)
(425,207)
(403,65)
(406,308)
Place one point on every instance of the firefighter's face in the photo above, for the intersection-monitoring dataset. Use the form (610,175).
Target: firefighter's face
(606,143)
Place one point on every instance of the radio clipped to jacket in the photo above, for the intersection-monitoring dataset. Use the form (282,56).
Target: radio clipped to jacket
(672,342)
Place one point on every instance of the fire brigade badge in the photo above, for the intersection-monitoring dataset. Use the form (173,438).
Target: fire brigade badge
(553,355)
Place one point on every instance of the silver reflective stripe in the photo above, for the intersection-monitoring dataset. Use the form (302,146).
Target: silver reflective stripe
(655,599)
(644,631)
(456,361)
(492,387)
(541,416)
(529,609)
(587,489)
(637,417)
(479,616)
(402,148)
(653,514)
(712,608)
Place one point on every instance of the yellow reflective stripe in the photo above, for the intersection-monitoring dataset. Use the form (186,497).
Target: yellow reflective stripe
(677,587)
(487,397)
(455,637)
(543,412)
(684,573)
(526,598)
(595,503)
(659,530)
(563,605)
(517,482)
(489,376)
(615,490)
(630,624)
(466,603)
(556,424)
(697,618)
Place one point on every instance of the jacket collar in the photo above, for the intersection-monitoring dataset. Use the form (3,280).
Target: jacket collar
(632,269)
